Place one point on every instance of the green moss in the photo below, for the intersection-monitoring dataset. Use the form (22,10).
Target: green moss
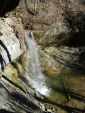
(38,35)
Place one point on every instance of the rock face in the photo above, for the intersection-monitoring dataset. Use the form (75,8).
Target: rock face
(9,42)
(13,89)
(59,30)
(10,50)
(58,27)
(55,19)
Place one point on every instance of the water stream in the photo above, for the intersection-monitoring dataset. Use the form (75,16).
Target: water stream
(37,78)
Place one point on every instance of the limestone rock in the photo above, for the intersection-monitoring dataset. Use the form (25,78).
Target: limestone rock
(9,41)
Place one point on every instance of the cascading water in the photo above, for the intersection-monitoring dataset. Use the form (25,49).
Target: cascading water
(36,79)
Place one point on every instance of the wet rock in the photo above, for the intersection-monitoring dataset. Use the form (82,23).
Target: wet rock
(56,35)
(51,18)
(66,57)
(50,67)
(59,60)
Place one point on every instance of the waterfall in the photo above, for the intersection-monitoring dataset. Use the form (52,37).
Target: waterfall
(37,78)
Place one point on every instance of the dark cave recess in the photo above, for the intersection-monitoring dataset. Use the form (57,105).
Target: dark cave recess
(7,5)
